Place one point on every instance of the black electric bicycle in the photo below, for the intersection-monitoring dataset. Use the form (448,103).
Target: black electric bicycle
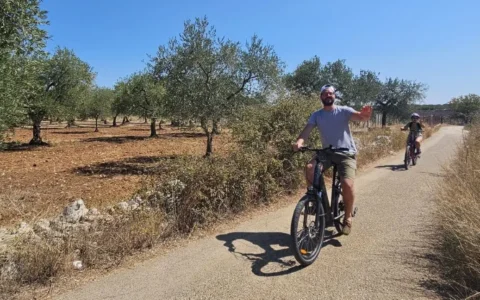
(308,234)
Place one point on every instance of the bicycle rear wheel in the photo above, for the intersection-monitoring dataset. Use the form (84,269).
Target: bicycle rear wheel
(307,237)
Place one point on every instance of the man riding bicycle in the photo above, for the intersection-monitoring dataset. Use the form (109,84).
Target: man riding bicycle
(332,122)
(416,129)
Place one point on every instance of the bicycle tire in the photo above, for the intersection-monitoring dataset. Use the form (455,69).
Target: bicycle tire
(407,157)
(414,156)
(310,253)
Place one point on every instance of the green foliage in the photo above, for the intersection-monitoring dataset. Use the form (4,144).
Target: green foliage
(60,84)
(147,95)
(310,76)
(20,32)
(217,187)
(274,128)
(122,103)
(21,39)
(99,103)
(364,89)
(340,75)
(468,106)
(208,77)
(397,95)
(307,77)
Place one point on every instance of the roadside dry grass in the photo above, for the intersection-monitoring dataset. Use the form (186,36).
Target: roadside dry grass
(458,198)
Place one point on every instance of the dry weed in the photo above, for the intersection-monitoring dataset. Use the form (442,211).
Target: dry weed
(458,213)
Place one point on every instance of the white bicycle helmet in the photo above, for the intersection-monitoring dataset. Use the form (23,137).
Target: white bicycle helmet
(415,115)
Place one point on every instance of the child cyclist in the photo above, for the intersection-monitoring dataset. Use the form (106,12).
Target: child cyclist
(416,128)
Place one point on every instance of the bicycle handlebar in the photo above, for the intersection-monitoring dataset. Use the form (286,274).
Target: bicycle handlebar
(330,148)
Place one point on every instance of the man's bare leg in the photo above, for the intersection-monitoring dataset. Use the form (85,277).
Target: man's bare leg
(349,199)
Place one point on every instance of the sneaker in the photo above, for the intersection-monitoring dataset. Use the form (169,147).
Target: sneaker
(347,227)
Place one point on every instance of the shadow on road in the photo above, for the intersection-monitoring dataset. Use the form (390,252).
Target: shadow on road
(266,241)
(400,167)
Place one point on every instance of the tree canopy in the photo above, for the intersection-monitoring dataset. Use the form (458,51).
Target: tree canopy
(210,77)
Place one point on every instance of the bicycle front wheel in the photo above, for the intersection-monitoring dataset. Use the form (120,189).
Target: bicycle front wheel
(407,157)
(413,155)
(307,230)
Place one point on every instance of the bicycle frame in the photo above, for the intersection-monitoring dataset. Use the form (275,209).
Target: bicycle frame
(412,144)
(319,187)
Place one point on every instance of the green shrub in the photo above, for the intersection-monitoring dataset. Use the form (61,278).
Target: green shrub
(213,188)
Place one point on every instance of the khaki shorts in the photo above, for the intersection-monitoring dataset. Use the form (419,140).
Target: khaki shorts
(346,163)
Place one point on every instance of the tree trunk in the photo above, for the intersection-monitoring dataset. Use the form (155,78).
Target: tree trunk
(153,128)
(209,144)
(37,139)
(160,125)
(115,121)
(384,119)
(204,125)
(71,123)
(145,118)
(96,124)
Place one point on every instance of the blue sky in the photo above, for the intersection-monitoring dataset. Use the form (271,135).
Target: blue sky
(435,42)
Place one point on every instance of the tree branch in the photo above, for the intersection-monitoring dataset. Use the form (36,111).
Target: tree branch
(244,83)
(52,84)
(207,75)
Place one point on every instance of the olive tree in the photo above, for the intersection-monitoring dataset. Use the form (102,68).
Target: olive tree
(147,95)
(468,106)
(60,82)
(99,103)
(209,77)
(21,39)
(395,97)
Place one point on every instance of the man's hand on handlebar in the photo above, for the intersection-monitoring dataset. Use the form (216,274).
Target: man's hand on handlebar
(297,146)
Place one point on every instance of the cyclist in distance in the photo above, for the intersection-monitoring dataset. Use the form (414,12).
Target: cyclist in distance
(416,128)
(332,122)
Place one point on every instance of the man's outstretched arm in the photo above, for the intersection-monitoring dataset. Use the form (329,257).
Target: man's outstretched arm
(364,115)
(303,136)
